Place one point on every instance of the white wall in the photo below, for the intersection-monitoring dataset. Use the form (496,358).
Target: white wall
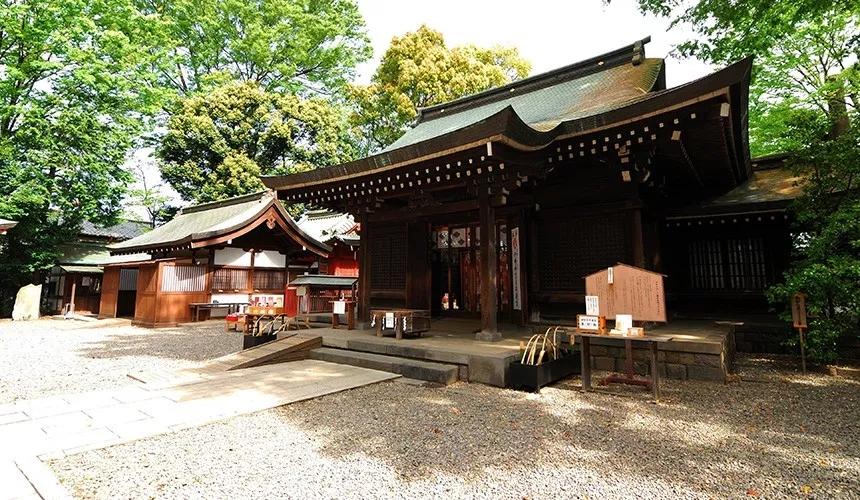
(270,258)
(232,257)
(238,257)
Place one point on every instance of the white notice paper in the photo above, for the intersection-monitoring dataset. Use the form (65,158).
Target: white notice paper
(515,268)
(389,320)
(592,305)
(339,307)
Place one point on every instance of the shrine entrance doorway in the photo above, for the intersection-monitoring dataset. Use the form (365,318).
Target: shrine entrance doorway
(456,270)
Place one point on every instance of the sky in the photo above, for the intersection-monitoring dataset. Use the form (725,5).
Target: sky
(547,33)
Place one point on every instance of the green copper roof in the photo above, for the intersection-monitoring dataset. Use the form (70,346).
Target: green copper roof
(324,280)
(542,107)
(210,220)
(83,254)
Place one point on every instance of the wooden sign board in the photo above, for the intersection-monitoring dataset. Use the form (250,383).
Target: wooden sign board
(588,323)
(798,310)
(632,291)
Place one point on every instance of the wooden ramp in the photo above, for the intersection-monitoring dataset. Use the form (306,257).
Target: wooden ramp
(292,347)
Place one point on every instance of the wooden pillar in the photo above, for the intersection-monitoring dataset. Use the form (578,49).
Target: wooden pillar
(250,282)
(364,270)
(489,269)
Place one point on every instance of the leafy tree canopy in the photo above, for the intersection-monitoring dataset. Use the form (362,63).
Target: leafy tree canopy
(286,45)
(420,70)
(728,30)
(218,143)
(76,85)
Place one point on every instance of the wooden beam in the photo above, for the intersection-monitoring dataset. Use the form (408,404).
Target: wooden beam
(489,280)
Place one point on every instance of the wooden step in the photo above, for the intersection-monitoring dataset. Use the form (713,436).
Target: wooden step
(412,368)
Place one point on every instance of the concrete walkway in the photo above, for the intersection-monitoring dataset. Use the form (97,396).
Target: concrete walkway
(44,429)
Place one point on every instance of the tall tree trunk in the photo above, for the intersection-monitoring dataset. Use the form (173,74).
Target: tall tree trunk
(836,109)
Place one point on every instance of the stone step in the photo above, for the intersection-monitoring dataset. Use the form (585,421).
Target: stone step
(412,368)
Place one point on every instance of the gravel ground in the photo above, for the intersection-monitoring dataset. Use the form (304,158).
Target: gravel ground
(771,433)
(48,357)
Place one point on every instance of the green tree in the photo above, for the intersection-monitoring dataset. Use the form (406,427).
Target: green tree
(827,268)
(150,198)
(420,70)
(218,143)
(728,30)
(284,45)
(76,84)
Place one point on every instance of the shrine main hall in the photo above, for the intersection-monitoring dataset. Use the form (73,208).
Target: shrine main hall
(494,207)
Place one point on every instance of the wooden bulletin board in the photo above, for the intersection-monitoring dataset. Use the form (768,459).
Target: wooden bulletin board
(633,291)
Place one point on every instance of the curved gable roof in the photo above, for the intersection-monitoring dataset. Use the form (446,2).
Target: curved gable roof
(211,220)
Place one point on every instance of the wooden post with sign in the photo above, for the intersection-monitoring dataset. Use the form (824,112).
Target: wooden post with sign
(798,316)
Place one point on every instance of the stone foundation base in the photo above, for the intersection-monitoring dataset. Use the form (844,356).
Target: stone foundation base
(697,361)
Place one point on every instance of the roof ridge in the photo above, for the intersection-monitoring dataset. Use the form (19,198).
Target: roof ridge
(236,200)
(601,62)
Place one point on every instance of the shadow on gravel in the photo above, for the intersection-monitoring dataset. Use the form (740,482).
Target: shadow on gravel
(183,342)
(716,440)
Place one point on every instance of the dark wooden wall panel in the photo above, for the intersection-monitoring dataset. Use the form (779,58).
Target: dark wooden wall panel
(418,266)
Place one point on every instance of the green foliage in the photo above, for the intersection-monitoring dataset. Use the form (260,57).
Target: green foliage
(75,87)
(151,198)
(284,45)
(728,30)
(807,72)
(218,143)
(827,268)
(419,70)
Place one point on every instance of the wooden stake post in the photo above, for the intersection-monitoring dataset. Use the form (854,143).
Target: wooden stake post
(798,316)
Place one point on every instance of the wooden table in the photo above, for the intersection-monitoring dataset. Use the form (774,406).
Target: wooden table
(350,314)
(629,377)
(197,306)
(406,321)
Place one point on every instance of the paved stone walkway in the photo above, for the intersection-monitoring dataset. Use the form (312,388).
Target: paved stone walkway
(43,429)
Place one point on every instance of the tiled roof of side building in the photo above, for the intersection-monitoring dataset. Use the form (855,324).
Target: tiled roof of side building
(324,225)
(769,188)
(208,220)
(123,230)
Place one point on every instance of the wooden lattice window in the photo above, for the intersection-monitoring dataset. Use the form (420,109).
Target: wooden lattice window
(728,264)
(127,279)
(388,261)
(226,278)
(571,248)
(268,279)
(183,278)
